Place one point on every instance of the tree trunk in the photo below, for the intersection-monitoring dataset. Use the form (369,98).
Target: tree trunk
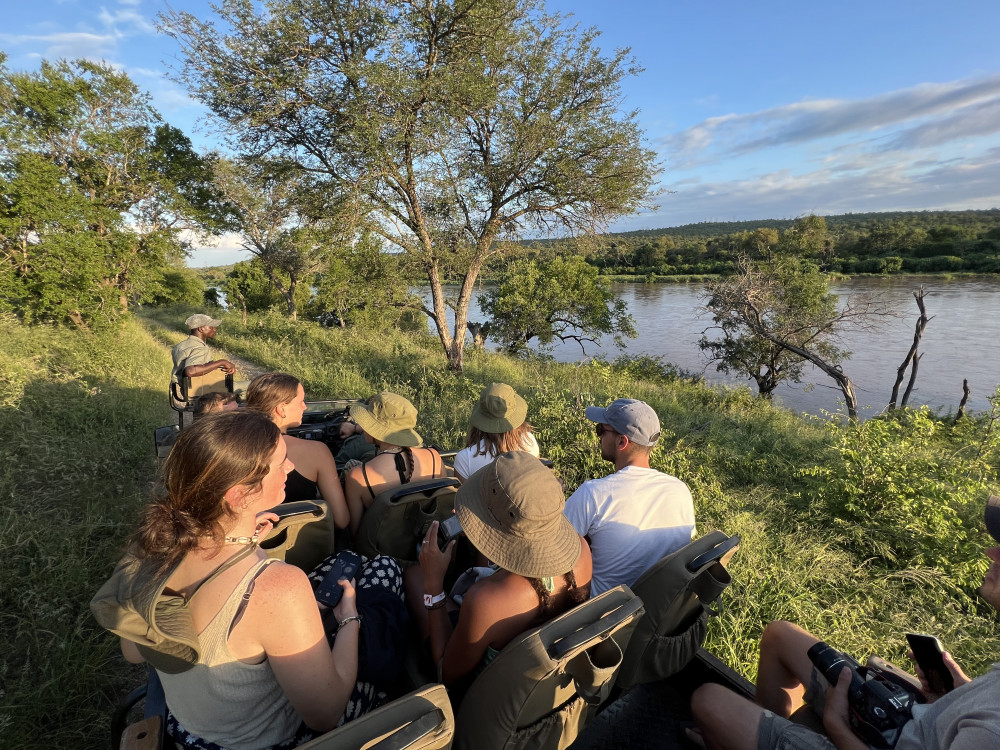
(913,379)
(839,376)
(965,398)
(910,355)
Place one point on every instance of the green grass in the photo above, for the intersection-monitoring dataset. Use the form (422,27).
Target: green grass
(77,412)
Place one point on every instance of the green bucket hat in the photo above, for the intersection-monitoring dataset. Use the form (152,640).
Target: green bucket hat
(512,511)
(389,418)
(499,410)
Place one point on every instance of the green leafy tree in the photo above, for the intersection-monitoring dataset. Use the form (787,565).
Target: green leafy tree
(458,124)
(773,316)
(179,285)
(560,299)
(363,283)
(94,191)
(248,287)
(284,222)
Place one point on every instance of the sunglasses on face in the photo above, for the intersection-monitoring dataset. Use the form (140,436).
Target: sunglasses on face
(602,428)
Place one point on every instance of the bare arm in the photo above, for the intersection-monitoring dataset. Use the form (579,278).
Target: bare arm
(355,491)
(316,681)
(193,371)
(328,482)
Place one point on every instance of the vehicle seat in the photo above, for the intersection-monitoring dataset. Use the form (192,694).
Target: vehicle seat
(677,592)
(546,684)
(183,393)
(302,536)
(398,517)
(421,720)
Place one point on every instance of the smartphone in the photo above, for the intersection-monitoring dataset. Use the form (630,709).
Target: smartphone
(927,652)
(329,590)
(448,529)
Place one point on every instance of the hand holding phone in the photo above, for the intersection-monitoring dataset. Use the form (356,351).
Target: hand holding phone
(928,654)
(449,529)
(344,567)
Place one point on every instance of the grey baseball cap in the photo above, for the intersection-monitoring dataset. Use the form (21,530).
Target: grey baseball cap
(993,517)
(634,419)
(199,319)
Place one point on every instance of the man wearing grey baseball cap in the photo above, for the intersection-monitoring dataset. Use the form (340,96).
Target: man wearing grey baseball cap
(637,515)
(192,357)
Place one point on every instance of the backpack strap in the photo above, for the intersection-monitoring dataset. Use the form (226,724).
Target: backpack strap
(242,554)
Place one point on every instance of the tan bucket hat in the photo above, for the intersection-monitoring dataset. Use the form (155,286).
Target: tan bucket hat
(499,410)
(389,418)
(512,511)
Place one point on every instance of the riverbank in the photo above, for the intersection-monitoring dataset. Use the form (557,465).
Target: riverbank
(816,506)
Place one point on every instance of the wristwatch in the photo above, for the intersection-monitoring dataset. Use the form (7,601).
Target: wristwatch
(434,601)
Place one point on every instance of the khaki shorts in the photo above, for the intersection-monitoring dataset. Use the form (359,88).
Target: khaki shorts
(778,733)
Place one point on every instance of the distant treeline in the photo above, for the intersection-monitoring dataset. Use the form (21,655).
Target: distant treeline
(896,242)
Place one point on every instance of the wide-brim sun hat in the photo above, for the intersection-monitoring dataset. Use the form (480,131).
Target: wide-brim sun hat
(499,409)
(389,418)
(512,511)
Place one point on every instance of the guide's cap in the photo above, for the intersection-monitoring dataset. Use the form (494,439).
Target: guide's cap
(634,419)
(200,319)
(993,517)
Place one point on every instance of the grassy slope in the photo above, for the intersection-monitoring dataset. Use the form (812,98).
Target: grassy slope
(80,479)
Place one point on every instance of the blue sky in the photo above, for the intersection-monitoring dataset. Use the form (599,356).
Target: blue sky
(758,110)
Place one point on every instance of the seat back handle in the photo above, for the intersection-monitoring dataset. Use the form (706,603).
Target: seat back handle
(409,735)
(596,631)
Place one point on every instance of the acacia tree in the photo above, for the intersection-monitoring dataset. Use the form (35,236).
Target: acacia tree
(560,299)
(94,190)
(773,316)
(460,123)
(282,220)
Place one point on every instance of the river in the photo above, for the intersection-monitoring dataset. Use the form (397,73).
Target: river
(962,340)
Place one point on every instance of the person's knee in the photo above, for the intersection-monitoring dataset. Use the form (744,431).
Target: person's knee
(707,700)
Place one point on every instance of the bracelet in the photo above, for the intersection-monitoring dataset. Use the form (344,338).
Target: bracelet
(350,618)
(434,601)
(436,605)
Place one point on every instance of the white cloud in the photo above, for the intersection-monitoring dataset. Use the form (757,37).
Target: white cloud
(65,45)
(124,22)
(884,184)
(973,100)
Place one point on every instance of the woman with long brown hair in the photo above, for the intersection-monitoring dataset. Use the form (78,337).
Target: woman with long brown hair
(263,674)
(281,397)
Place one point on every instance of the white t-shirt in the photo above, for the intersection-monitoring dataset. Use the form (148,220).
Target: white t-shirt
(633,517)
(468,463)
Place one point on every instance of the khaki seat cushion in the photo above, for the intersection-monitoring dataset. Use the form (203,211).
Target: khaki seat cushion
(399,517)
(546,684)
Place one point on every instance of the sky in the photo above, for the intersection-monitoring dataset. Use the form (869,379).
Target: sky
(756,110)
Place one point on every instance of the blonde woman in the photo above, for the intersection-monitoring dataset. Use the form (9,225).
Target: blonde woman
(498,425)
(388,421)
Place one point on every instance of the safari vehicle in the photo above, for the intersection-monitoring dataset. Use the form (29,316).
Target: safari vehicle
(615,671)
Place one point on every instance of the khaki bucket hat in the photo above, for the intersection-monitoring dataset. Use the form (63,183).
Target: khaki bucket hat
(512,511)
(499,410)
(389,418)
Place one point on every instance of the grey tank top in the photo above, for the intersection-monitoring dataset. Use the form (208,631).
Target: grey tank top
(221,699)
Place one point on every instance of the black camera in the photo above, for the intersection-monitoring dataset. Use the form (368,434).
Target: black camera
(877,707)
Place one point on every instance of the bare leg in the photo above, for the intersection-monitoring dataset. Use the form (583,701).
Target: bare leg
(727,720)
(784,667)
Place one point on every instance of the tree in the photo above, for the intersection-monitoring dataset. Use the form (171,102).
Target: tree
(94,191)
(273,205)
(248,287)
(560,299)
(457,124)
(362,282)
(773,316)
